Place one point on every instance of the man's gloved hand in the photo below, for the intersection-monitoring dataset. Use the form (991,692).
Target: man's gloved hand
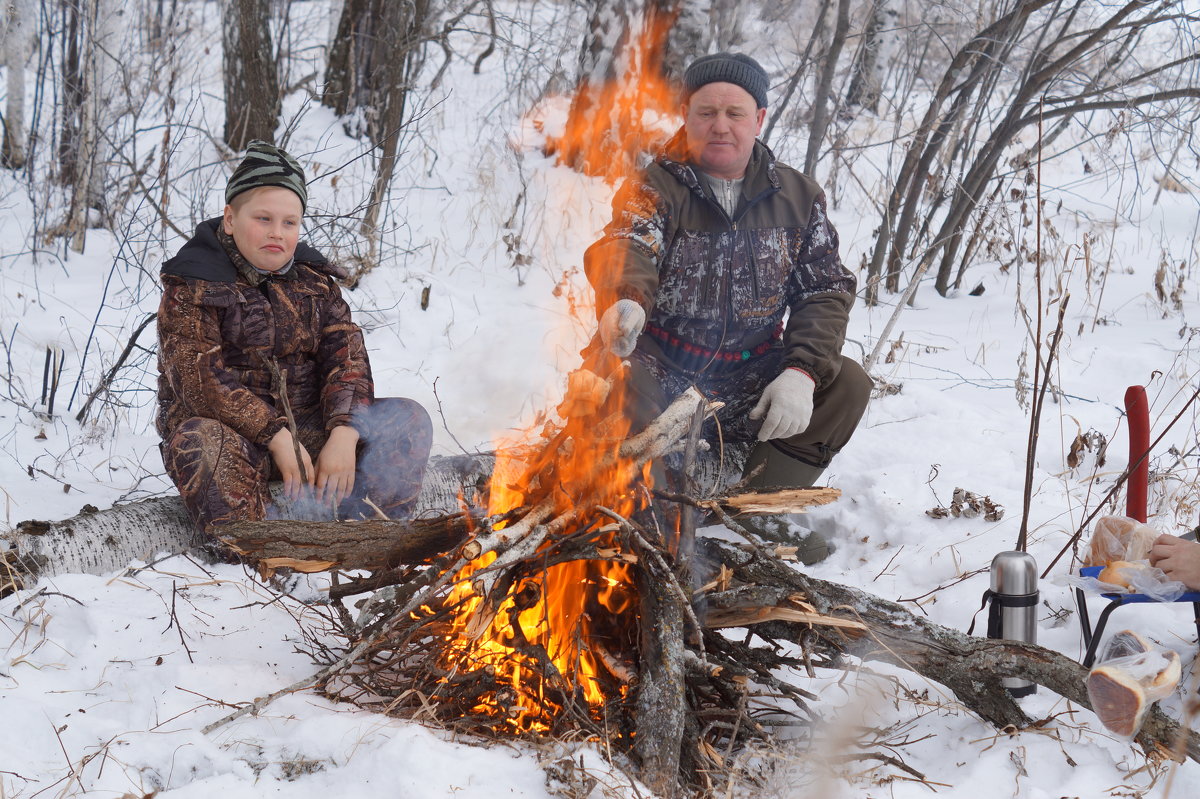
(621,325)
(787,403)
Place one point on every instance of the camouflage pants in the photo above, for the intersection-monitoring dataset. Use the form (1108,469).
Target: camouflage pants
(222,477)
(837,407)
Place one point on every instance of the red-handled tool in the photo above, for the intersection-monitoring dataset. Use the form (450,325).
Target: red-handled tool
(1137,409)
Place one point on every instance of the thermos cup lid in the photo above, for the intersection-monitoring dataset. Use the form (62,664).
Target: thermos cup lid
(1014,573)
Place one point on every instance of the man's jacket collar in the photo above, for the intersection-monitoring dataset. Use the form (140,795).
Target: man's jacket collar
(761,175)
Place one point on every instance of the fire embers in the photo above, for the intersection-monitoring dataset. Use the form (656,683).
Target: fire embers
(562,643)
(969,505)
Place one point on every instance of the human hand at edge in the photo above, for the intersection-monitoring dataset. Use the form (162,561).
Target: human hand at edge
(1179,559)
(787,404)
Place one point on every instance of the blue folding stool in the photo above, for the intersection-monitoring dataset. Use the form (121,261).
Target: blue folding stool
(1091,639)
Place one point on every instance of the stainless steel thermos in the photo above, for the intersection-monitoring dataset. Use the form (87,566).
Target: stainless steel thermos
(1013,614)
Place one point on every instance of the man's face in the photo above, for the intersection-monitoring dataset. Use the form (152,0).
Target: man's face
(721,123)
(265,225)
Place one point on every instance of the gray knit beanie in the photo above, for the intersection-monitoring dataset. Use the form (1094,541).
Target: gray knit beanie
(267,165)
(736,68)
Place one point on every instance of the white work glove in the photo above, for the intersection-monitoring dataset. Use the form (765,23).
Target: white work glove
(787,403)
(621,325)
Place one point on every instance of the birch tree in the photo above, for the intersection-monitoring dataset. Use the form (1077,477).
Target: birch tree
(16,39)
(91,47)
(879,43)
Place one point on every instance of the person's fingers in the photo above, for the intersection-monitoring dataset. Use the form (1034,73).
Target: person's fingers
(770,425)
(760,407)
(309,470)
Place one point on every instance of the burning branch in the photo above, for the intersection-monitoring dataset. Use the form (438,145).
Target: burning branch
(520,541)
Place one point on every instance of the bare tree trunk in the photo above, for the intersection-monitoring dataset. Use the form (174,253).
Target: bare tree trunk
(602,58)
(632,52)
(251,75)
(726,26)
(820,120)
(17,29)
(691,31)
(1024,111)
(350,57)
(403,27)
(817,31)
(973,58)
(71,107)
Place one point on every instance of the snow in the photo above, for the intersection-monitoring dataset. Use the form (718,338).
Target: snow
(107,681)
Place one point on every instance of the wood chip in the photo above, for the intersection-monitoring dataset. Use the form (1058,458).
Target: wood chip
(794,500)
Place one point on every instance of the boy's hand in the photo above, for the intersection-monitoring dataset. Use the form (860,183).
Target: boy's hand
(283,452)
(335,465)
(1179,559)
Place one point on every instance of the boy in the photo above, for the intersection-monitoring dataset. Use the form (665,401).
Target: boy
(247,306)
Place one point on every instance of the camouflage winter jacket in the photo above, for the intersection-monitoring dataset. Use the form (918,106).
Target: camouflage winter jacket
(726,283)
(220,324)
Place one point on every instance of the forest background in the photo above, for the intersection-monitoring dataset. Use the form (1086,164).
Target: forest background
(987,166)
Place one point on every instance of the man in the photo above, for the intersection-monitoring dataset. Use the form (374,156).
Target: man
(252,318)
(708,251)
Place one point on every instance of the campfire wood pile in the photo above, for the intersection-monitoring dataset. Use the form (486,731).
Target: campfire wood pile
(447,636)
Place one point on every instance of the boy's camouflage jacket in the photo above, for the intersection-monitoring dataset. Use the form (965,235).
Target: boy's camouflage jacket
(220,322)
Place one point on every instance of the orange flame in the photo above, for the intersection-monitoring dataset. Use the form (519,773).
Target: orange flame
(562,614)
(578,615)
(610,125)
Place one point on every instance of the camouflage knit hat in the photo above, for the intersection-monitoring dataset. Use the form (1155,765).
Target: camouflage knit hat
(736,68)
(267,165)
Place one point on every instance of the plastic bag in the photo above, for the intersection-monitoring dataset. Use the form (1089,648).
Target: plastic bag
(1154,583)
(1139,577)
(1119,538)
(1121,689)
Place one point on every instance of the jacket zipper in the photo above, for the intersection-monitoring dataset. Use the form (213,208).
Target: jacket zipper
(753,265)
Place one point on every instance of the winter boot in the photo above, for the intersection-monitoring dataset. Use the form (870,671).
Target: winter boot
(783,471)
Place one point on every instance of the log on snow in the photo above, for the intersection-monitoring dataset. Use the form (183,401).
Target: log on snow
(371,544)
(102,541)
(971,667)
(98,542)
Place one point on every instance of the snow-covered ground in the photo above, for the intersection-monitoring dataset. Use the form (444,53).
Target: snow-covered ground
(106,681)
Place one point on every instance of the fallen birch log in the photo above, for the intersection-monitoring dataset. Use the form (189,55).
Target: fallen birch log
(971,667)
(102,541)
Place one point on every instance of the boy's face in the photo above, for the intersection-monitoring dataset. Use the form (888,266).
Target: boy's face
(265,225)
